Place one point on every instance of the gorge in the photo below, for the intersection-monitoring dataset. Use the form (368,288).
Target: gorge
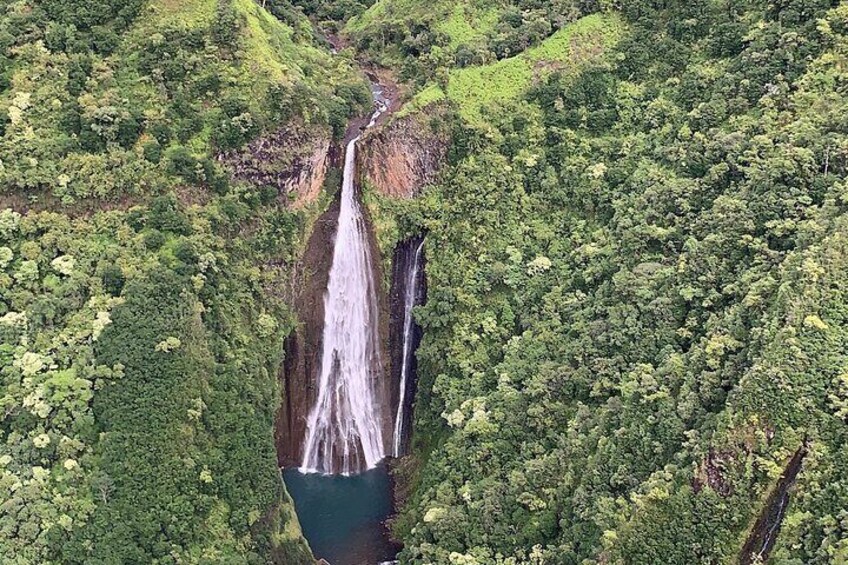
(345,427)
(577,295)
(361,374)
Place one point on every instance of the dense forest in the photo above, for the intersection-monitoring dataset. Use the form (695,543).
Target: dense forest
(637,252)
(141,317)
(636,309)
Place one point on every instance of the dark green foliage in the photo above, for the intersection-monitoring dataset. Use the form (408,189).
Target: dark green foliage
(152,151)
(154,239)
(185,252)
(155,495)
(113,279)
(87,14)
(225,28)
(585,103)
(236,126)
(632,318)
(181,162)
(165,215)
(323,10)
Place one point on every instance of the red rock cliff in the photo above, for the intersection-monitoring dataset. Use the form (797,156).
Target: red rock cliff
(399,158)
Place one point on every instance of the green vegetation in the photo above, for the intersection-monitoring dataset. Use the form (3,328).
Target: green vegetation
(576,46)
(140,386)
(140,346)
(636,262)
(634,312)
(187,79)
(425,39)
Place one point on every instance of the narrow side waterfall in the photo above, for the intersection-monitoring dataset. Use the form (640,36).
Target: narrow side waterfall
(410,300)
(344,433)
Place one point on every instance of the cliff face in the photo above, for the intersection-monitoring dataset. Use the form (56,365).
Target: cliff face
(398,158)
(294,160)
(402,156)
(304,345)
(403,263)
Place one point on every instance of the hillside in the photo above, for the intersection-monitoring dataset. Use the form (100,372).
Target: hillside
(634,317)
(474,89)
(141,325)
(112,118)
(634,219)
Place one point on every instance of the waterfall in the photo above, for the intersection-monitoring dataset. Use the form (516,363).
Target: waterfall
(344,431)
(409,302)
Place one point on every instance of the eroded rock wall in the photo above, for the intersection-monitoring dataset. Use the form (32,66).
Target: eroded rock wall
(403,263)
(304,345)
(402,156)
(397,158)
(293,159)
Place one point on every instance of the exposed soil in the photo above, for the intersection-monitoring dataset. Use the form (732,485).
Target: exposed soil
(402,157)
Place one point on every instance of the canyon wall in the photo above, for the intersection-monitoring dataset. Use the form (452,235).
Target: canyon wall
(397,158)
(294,160)
(402,264)
(402,156)
(304,345)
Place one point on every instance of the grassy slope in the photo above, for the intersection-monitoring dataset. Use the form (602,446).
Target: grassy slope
(462,21)
(475,88)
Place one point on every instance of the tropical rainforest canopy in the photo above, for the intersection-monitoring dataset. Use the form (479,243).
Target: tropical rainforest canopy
(637,274)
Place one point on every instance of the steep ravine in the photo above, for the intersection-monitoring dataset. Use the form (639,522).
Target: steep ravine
(303,346)
(764,534)
(396,158)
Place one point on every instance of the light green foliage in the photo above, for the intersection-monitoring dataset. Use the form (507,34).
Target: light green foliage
(576,46)
(183,82)
(139,347)
(424,40)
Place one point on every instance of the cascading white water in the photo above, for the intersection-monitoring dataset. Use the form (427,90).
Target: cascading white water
(344,431)
(409,300)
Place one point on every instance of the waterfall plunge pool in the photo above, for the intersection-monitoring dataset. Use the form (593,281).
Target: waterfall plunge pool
(343,517)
